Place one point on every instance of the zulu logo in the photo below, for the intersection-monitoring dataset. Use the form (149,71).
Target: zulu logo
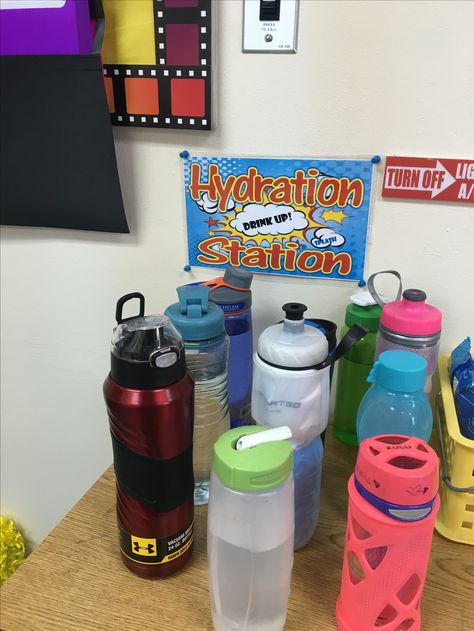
(286,404)
(399,447)
(150,548)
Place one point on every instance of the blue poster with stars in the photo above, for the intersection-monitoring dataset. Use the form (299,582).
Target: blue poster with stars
(305,217)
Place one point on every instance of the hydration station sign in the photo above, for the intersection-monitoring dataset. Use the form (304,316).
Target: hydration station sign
(440,179)
(306,217)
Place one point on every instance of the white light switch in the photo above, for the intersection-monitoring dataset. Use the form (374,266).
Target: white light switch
(270,26)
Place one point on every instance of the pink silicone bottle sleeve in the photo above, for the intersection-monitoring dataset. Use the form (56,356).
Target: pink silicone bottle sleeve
(384,569)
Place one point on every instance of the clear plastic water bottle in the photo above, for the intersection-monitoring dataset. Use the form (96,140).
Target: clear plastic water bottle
(396,403)
(393,502)
(232,294)
(307,469)
(201,324)
(250,529)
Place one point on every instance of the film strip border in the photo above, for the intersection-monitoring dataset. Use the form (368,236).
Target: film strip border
(201,15)
(121,118)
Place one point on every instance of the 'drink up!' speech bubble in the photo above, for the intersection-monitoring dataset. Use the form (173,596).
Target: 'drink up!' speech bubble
(268,219)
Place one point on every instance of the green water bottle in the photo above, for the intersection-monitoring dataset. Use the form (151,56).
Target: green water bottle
(355,365)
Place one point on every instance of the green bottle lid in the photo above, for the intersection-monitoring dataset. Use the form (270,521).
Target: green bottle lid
(368,316)
(258,468)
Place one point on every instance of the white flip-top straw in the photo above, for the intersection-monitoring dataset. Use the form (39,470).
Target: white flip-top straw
(267,436)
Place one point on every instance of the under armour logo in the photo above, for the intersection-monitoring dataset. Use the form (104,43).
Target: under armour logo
(150,548)
(143,546)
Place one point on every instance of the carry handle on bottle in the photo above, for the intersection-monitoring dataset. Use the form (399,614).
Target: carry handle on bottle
(220,282)
(353,335)
(193,300)
(373,291)
(121,301)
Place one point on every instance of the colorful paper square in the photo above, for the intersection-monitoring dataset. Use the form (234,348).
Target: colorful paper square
(141,96)
(182,44)
(188,97)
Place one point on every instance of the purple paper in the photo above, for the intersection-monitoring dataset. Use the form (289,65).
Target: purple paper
(45,27)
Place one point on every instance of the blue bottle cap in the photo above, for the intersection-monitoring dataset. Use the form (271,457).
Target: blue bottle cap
(195,317)
(400,371)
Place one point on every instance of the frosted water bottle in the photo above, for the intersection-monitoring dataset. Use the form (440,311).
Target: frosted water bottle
(201,324)
(232,294)
(291,387)
(396,403)
(409,324)
(291,374)
(287,389)
(393,501)
(307,469)
(355,366)
(250,530)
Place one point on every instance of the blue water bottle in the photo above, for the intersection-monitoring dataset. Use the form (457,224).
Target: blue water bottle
(308,463)
(396,403)
(232,293)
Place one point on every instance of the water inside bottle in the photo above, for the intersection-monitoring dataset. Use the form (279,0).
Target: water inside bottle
(240,377)
(259,595)
(211,411)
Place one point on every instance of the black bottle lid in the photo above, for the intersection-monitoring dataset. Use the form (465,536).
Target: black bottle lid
(415,295)
(147,352)
(294,310)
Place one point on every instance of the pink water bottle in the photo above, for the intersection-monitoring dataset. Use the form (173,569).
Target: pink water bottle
(409,324)
(393,501)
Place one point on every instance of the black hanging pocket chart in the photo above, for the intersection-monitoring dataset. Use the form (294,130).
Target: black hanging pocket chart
(57,157)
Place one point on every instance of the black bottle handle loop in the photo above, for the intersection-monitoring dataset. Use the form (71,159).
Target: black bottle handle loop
(353,335)
(373,291)
(121,302)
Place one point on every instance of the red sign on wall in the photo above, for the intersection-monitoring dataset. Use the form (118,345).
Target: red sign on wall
(429,178)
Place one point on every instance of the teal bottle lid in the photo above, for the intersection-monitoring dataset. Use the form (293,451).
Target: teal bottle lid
(195,317)
(259,468)
(399,371)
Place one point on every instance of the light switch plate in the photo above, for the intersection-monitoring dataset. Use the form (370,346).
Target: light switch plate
(273,36)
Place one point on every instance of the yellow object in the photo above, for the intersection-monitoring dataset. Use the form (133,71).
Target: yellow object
(129,33)
(12,548)
(456,516)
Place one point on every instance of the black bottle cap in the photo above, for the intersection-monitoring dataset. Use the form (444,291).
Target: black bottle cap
(415,295)
(294,310)
(147,351)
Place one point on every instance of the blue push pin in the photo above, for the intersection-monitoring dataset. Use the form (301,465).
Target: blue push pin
(187,268)
(376,159)
(362,283)
(184,154)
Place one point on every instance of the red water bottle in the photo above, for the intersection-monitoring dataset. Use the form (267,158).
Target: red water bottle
(149,398)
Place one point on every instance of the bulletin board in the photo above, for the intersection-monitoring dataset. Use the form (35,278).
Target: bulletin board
(157,57)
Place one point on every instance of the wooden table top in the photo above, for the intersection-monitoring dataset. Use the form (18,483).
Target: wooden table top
(75,580)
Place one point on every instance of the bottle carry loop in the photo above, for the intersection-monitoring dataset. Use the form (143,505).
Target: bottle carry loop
(373,291)
(121,302)
(353,335)
(220,282)
(444,466)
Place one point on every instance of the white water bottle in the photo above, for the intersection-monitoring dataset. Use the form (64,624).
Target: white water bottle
(287,390)
(250,530)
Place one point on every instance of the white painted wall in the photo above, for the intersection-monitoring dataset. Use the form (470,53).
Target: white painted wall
(369,77)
